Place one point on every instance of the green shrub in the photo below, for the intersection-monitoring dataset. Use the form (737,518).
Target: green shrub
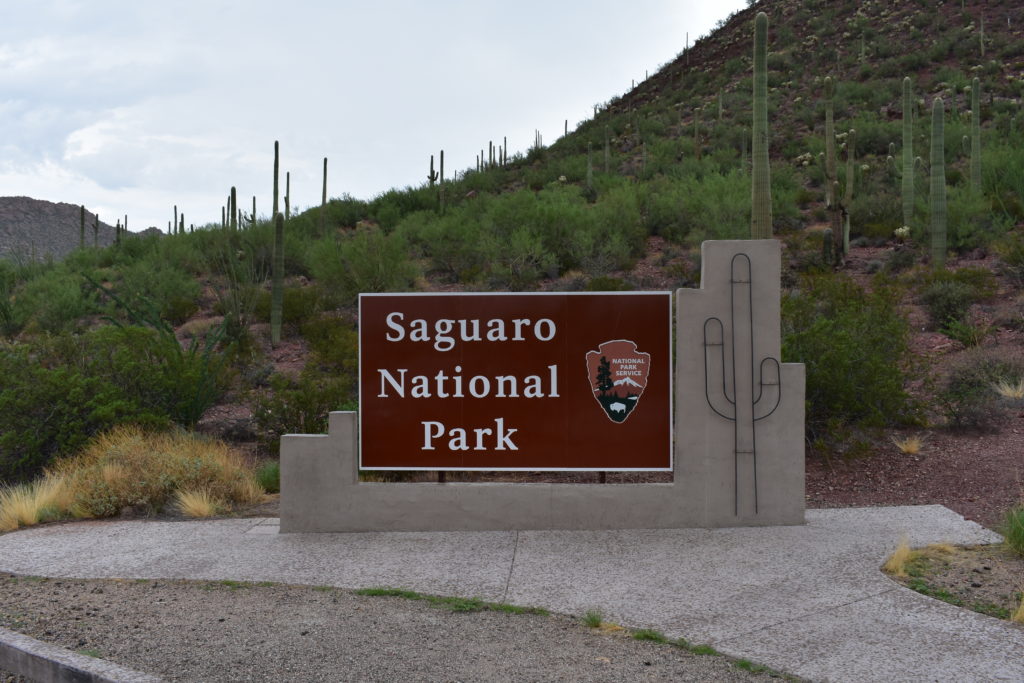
(365,260)
(269,476)
(1010,250)
(947,300)
(1013,529)
(967,398)
(49,409)
(854,345)
(51,302)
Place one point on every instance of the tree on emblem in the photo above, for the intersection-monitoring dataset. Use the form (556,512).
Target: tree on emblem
(604,376)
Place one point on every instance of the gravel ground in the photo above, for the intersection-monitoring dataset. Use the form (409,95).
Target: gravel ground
(200,631)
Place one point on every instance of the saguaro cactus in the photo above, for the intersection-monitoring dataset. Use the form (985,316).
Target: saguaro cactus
(233,210)
(277,281)
(276,160)
(432,175)
(739,395)
(287,197)
(848,191)
(323,202)
(907,185)
(976,135)
(830,143)
(938,186)
(441,175)
(761,204)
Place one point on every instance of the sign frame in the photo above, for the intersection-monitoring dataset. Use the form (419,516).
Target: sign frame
(668,374)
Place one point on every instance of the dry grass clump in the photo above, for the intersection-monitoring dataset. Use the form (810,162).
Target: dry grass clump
(1010,390)
(28,504)
(909,445)
(129,466)
(897,562)
(198,503)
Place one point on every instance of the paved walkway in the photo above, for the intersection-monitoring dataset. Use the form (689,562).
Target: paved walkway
(809,600)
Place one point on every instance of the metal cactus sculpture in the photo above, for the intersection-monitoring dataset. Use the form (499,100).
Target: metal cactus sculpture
(907,185)
(748,392)
(277,281)
(761,203)
(938,186)
(976,135)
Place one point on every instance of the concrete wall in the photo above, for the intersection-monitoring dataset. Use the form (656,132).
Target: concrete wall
(740,466)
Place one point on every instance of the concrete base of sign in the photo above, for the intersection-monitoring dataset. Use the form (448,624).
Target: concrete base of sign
(739,453)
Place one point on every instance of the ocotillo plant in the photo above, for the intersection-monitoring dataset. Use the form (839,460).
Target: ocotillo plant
(81,227)
(976,135)
(907,185)
(276,159)
(277,281)
(761,202)
(830,143)
(323,202)
(938,186)
(740,396)
(432,175)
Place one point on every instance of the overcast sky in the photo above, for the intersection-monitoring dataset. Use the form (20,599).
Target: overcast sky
(131,107)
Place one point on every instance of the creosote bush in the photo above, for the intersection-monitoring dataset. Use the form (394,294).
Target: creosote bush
(854,344)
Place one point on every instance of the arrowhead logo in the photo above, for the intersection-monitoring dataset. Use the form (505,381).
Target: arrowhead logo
(618,376)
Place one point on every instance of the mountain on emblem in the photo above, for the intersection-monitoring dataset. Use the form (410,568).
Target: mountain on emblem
(618,376)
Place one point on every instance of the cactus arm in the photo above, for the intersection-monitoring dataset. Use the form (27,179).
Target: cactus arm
(714,370)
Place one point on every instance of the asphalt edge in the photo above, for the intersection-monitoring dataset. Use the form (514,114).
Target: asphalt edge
(46,663)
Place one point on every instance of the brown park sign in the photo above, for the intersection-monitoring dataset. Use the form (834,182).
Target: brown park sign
(552,381)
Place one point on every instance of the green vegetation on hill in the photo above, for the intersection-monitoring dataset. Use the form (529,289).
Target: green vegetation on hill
(671,159)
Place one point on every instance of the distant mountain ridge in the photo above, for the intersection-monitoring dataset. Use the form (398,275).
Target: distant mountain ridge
(36,228)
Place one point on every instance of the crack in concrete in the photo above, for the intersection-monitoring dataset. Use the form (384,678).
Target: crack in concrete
(805,615)
(511,567)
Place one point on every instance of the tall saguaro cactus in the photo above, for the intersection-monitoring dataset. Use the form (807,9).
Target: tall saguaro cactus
(287,197)
(277,281)
(233,210)
(848,191)
(432,175)
(976,135)
(761,204)
(323,202)
(938,186)
(907,185)
(276,165)
(739,395)
(830,143)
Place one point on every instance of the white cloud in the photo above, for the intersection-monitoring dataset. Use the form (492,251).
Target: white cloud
(134,107)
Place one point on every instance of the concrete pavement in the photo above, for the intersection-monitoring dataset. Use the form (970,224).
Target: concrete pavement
(808,600)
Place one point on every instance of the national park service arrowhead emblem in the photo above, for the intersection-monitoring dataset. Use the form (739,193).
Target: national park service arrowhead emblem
(618,376)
